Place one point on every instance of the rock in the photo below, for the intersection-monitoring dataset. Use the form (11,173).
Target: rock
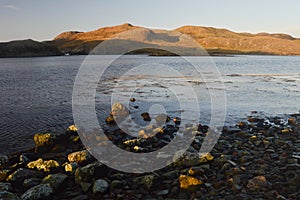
(187,159)
(117,184)
(119,111)
(31,182)
(44,142)
(39,192)
(80,156)
(146,116)
(81,197)
(71,167)
(86,173)
(132,99)
(3,161)
(85,186)
(257,183)
(161,119)
(188,182)
(5,187)
(55,180)
(43,165)
(100,186)
(110,120)
(146,181)
(205,158)
(4,195)
(171,174)
(21,174)
(3,175)
(72,130)
(163,192)
(177,120)
(196,171)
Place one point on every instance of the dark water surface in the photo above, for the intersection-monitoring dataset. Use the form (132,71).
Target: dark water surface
(36,93)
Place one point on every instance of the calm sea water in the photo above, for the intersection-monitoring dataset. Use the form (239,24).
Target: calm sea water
(36,93)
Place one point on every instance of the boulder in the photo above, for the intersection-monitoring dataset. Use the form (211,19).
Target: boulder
(5,186)
(100,186)
(71,167)
(44,142)
(3,161)
(31,182)
(80,156)
(4,195)
(88,172)
(43,165)
(257,183)
(189,182)
(55,180)
(118,110)
(21,174)
(39,192)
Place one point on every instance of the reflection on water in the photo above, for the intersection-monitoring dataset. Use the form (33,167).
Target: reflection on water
(36,93)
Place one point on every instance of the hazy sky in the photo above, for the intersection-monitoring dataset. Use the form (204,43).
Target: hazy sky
(44,19)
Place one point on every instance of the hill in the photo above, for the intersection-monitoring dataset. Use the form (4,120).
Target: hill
(216,41)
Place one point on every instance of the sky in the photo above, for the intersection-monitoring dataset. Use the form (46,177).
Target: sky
(44,19)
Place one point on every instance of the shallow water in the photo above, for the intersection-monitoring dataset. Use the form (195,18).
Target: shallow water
(36,93)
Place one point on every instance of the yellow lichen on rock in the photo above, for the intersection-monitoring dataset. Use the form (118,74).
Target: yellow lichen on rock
(205,158)
(187,182)
(42,165)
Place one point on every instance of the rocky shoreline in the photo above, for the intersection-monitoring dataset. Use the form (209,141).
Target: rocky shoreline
(258,158)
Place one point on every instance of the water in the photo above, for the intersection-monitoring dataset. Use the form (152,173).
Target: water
(36,93)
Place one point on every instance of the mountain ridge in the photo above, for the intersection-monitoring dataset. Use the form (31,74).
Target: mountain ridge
(217,41)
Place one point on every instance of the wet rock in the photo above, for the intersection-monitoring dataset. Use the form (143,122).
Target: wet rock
(163,192)
(171,174)
(132,99)
(80,156)
(72,130)
(3,160)
(43,165)
(119,111)
(110,120)
(39,192)
(71,167)
(189,182)
(3,175)
(146,116)
(31,182)
(5,186)
(162,118)
(21,174)
(177,121)
(55,180)
(44,142)
(257,183)
(100,186)
(117,184)
(206,158)
(4,195)
(195,171)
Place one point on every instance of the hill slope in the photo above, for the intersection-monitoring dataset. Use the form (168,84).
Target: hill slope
(214,40)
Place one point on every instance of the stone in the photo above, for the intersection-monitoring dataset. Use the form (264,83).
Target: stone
(43,165)
(163,192)
(86,173)
(55,180)
(44,141)
(81,197)
(146,181)
(31,182)
(196,171)
(146,116)
(3,160)
(21,174)
(100,186)
(187,159)
(80,156)
(162,118)
(4,195)
(188,182)
(110,120)
(72,130)
(85,186)
(177,120)
(39,192)
(205,158)
(3,175)
(132,99)
(5,186)
(71,167)
(257,183)
(119,111)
